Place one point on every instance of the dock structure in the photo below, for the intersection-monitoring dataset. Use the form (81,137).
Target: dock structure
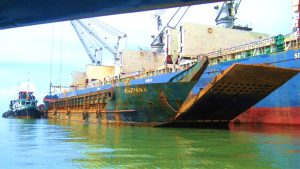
(69,9)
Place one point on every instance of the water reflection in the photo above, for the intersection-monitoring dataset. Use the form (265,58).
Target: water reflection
(28,143)
(60,144)
(278,145)
(132,147)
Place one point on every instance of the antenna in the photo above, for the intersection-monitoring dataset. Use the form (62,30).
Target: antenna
(27,81)
(18,88)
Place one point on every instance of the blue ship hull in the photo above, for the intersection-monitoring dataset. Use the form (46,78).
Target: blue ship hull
(283,105)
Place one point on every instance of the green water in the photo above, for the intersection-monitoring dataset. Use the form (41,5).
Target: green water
(58,144)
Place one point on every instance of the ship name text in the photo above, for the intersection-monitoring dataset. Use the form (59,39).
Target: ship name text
(297,56)
(134,90)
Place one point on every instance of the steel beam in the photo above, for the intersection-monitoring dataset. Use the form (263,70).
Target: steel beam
(16,13)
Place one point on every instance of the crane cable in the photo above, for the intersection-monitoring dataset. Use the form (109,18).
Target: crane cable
(60,56)
(51,57)
(107,28)
(111,31)
(92,43)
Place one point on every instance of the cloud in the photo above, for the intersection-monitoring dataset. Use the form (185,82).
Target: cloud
(12,92)
(8,93)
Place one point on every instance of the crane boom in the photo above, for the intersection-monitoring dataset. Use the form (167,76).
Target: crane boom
(94,35)
(87,44)
(99,39)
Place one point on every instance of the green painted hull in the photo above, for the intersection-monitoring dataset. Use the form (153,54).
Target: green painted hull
(148,103)
(150,100)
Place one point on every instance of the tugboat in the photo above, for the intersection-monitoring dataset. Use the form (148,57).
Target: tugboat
(24,107)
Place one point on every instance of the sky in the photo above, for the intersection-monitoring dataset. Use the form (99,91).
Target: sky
(31,49)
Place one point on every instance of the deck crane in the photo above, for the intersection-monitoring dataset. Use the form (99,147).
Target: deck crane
(226,14)
(157,42)
(93,49)
(94,36)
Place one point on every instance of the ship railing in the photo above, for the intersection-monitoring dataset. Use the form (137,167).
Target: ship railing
(292,41)
(150,73)
(241,48)
(117,79)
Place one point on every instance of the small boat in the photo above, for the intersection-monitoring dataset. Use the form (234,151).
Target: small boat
(24,107)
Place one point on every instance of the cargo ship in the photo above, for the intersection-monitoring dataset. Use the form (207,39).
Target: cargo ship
(283,105)
(238,82)
(169,97)
(24,107)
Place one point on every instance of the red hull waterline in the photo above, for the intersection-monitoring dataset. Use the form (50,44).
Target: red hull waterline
(278,115)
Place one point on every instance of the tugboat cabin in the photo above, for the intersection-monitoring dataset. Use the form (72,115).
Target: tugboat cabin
(27,98)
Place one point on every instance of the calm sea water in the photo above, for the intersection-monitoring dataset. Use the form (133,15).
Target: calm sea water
(59,144)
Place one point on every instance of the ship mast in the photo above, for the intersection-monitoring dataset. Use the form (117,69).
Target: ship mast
(27,82)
